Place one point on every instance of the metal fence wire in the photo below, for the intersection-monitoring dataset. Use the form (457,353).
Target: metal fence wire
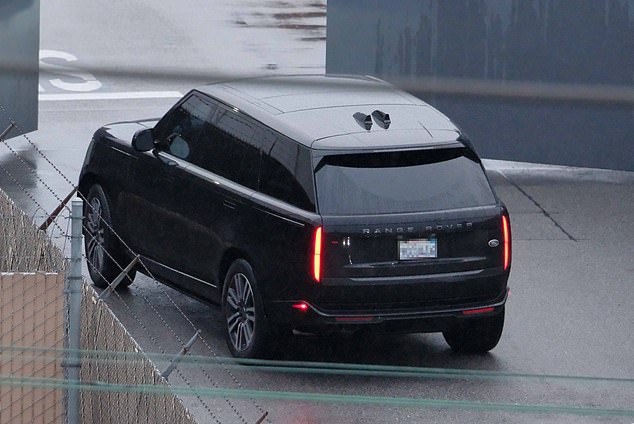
(236,409)
(33,312)
(22,247)
(101,332)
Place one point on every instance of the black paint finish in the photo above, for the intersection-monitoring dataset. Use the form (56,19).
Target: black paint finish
(190,223)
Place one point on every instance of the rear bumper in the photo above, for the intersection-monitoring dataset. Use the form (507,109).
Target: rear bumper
(430,319)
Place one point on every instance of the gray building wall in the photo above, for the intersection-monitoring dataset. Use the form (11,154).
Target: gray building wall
(19,61)
(567,41)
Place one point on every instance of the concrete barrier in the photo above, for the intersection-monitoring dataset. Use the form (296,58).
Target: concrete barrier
(580,42)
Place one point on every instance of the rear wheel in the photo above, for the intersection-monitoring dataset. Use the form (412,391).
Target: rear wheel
(477,335)
(104,254)
(247,329)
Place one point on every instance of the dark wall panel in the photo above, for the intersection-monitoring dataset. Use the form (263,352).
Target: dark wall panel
(19,50)
(567,41)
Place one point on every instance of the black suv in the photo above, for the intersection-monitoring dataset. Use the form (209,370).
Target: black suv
(315,203)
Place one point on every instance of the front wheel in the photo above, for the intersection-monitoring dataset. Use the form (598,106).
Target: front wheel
(476,335)
(247,329)
(104,254)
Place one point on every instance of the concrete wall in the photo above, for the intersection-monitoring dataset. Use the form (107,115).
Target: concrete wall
(31,316)
(19,61)
(32,337)
(560,41)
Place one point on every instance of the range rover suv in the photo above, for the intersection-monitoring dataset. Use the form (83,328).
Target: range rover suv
(315,203)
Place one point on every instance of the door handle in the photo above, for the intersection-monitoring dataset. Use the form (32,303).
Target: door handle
(228,204)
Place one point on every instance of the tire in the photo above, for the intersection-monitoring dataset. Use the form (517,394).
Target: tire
(247,329)
(104,254)
(476,335)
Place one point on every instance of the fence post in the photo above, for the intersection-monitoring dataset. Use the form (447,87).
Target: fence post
(6,132)
(73,361)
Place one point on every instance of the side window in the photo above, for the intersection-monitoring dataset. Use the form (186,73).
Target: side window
(180,132)
(227,147)
(287,173)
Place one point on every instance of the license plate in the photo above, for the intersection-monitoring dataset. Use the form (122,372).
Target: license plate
(417,249)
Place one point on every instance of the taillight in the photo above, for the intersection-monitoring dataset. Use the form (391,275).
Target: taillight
(507,242)
(317,255)
(477,311)
(302,306)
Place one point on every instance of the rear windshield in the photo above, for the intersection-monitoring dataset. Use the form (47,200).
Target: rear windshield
(401,182)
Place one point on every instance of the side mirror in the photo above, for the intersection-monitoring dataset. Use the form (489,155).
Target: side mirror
(143,141)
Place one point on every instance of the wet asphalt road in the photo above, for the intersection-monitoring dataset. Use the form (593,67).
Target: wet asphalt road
(570,310)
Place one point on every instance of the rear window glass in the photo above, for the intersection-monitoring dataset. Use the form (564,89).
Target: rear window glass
(401,182)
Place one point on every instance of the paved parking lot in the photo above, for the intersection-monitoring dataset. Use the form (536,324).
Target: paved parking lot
(569,314)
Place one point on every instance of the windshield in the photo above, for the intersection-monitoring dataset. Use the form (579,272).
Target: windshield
(401,182)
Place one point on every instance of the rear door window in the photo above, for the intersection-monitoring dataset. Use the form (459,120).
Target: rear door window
(401,182)
(227,147)
(286,171)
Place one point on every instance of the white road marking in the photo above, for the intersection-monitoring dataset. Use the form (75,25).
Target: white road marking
(71,78)
(124,95)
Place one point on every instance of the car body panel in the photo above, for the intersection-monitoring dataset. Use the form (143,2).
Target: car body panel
(299,105)
(189,223)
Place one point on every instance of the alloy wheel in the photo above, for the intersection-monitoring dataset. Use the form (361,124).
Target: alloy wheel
(240,312)
(95,234)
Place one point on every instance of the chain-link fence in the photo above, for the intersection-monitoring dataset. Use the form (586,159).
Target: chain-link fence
(31,318)
(22,246)
(102,332)
(33,326)
(61,228)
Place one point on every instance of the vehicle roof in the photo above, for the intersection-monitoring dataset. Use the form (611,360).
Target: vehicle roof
(317,110)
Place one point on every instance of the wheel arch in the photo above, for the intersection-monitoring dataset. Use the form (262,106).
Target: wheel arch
(230,256)
(89,180)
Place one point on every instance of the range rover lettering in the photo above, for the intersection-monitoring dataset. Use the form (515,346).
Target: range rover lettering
(310,203)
